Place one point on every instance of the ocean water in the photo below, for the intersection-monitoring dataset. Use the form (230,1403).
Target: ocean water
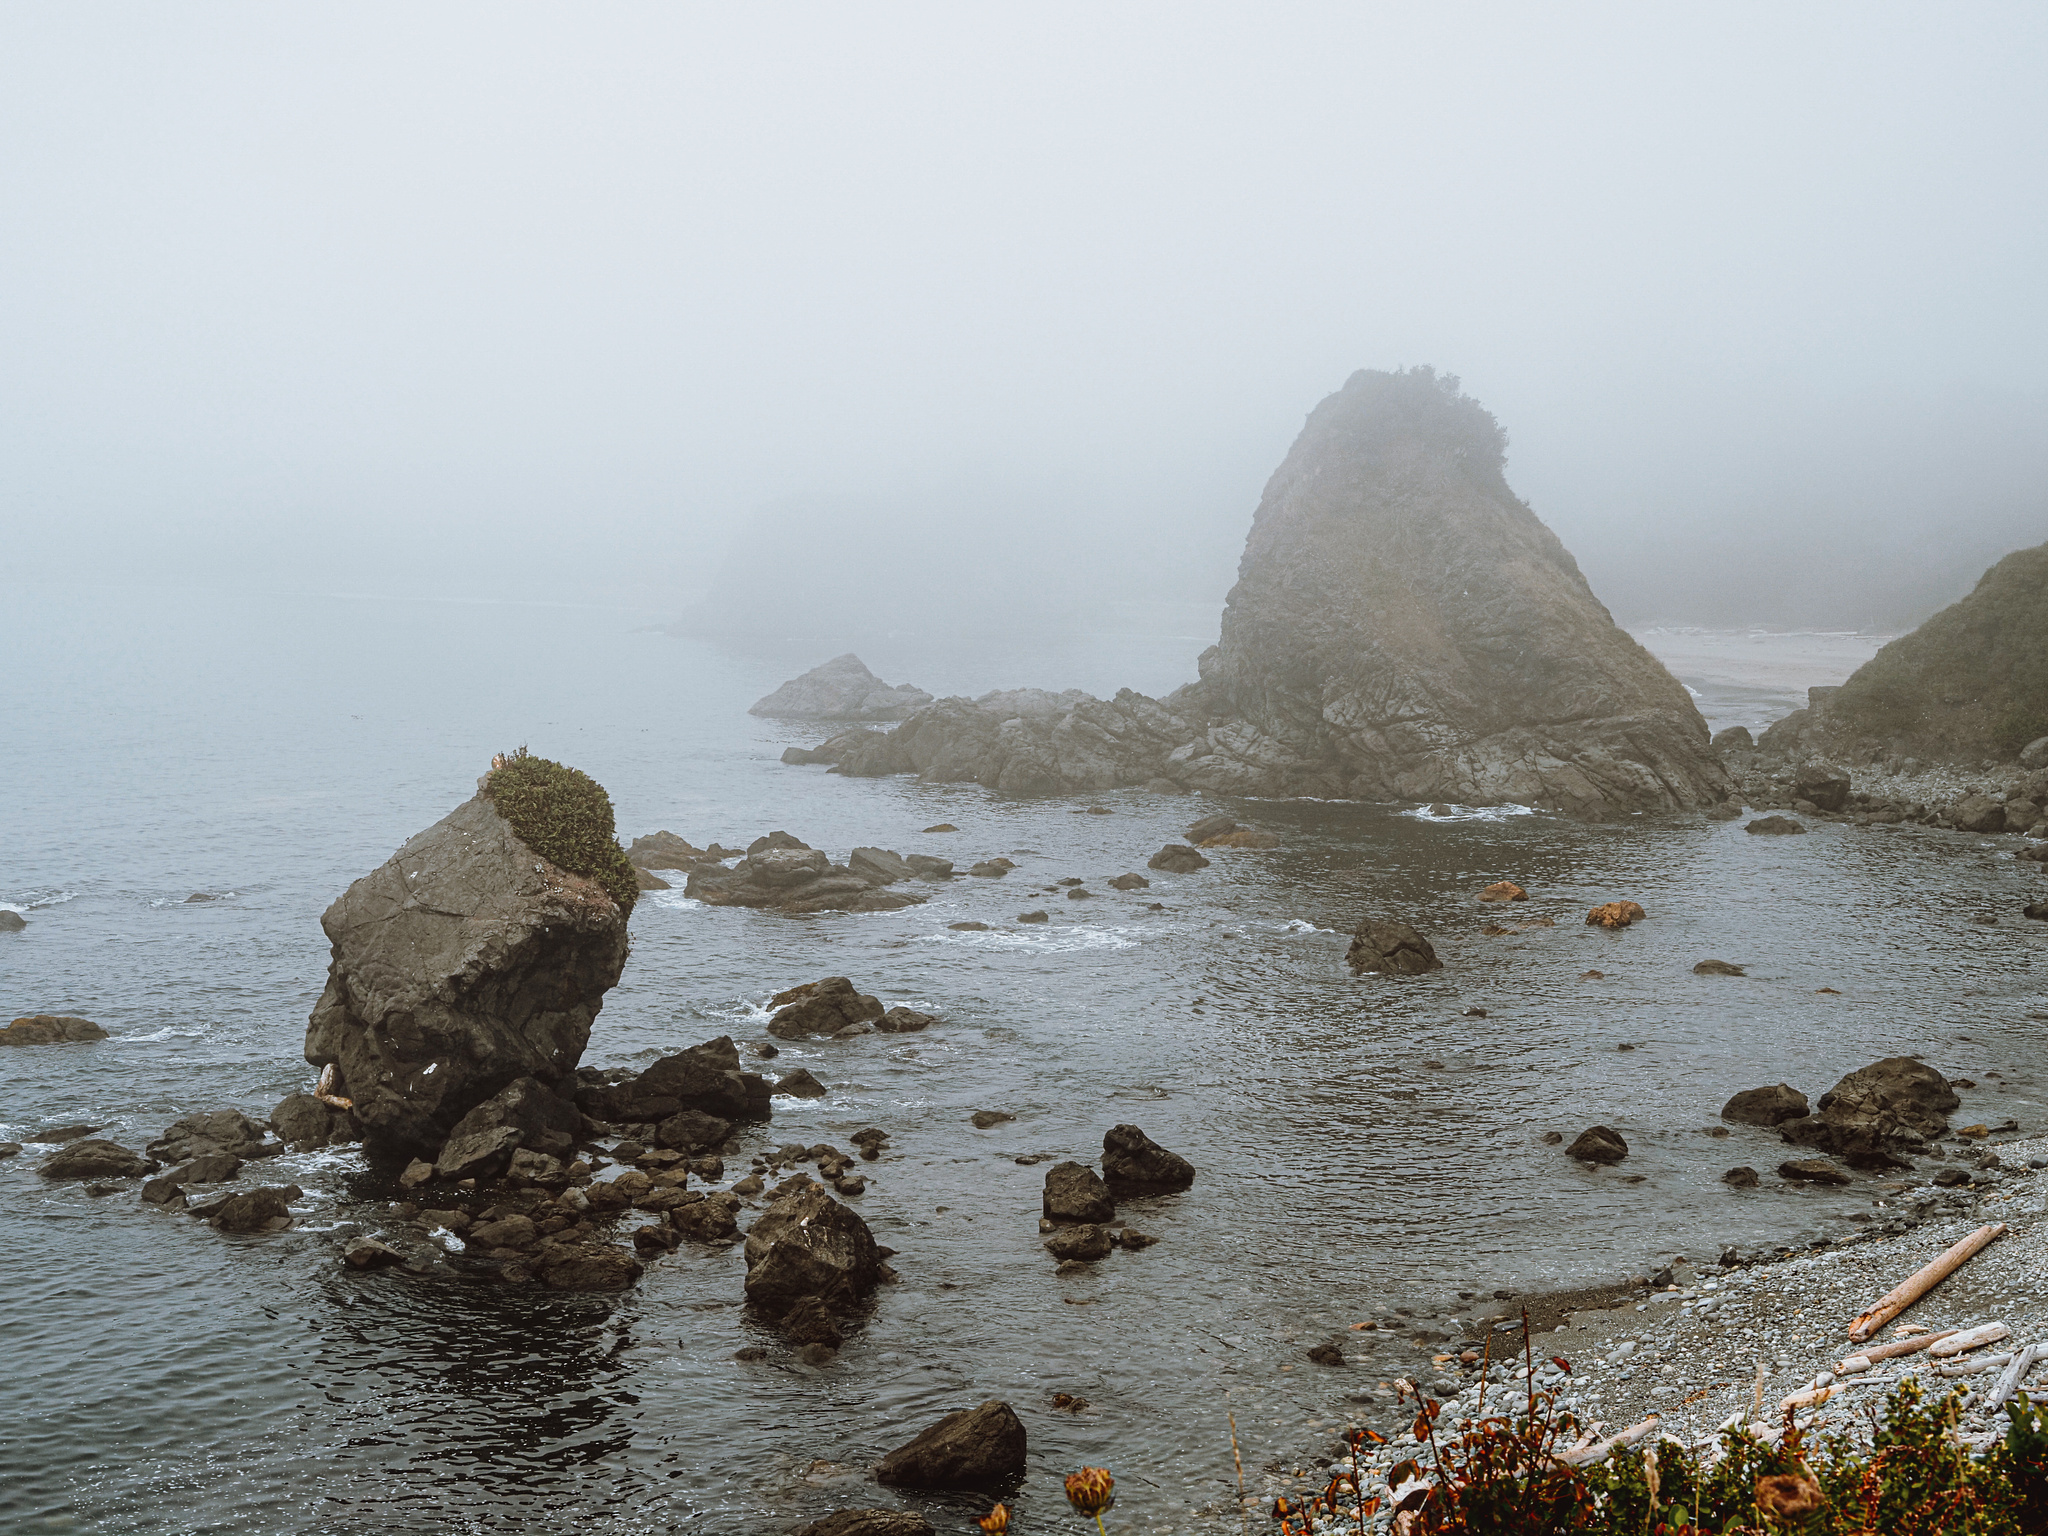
(1361,1143)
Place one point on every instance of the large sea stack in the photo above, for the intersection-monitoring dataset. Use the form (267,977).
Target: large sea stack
(1403,628)
(471,958)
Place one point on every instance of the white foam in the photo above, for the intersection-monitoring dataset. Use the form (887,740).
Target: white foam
(1469,812)
(169,1032)
(674,900)
(1302,925)
(1054,941)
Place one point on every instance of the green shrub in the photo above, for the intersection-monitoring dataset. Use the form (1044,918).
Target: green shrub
(564,815)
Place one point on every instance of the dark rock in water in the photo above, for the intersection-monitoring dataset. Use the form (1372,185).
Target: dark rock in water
(1084,1243)
(57,1133)
(1552,1138)
(1766,1106)
(1598,1144)
(1326,1354)
(1978,813)
(215,1168)
(879,866)
(693,1131)
(1782,826)
(664,850)
(778,841)
(926,867)
(50,1029)
(10,1149)
(1726,812)
(975,1448)
(513,1231)
(840,689)
(1132,1240)
(1043,917)
(983,1119)
(368,1253)
(800,1084)
(1823,787)
(713,1220)
(969,927)
(1080,893)
(1074,1193)
(705,1077)
(834,749)
(169,1193)
(1813,1170)
(463,963)
(94,1158)
(1210,826)
(649,882)
(992,869)
(1132,1160)
(11,921)
(303,1123)
(2037,910)
(808,1244)
(220,1131)
(905,1021)
(266,1208)
(794,880)
(1877,1112)
(1718,968)
(867,1522)
(810,1321)
(1741,1178)
(1391,949)
(821,1008)
(1177,859)
(585,1264)
(1131,882)
(525,1113)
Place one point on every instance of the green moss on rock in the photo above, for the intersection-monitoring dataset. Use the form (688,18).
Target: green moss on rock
(1973,679)
(564,815)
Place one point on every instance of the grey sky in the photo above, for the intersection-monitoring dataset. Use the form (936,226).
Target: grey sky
(505,299)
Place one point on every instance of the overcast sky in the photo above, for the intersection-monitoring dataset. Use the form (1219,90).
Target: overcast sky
(516,300)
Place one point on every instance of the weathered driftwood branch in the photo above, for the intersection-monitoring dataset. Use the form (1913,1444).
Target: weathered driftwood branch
(1904,1295)
(1600,1450)
(1973,1338)
(2002,1391)
(1973,1367)
(1863,1360)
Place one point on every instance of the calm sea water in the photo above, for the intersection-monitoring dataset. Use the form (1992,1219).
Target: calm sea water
(1361,1143)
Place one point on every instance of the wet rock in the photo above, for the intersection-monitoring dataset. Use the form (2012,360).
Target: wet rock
(976,1448)
(1074,1193)
(1615,914)
(991,869)
(967,928)
(1598,1144)
(705,1077)
(693,1131)
(1133,1240)
(2037,910)
(267,1208)
(417,1172)
(793,880)
(509,1231)
(706,1220)
(649,882)
(50,1029)
(810,1321)
(1129,882)
(1718,968)
(1326,1354)
(1080,893)
(808,1244)
(799,1084)
(60,1133)
(169,1193)
(1813,1170)
(1177,859)
(926,867)
(1978,813)
(1552,1138)
(821,1008)
(217,1132)
(11,921)
(522,1114)
(1766,1106)
(463,963)
(1503,890)
(1133,1161)
(840,689)
(869,1522)
(1741,1178)
(904,1021)
(1085,1243)
(1825,788)
(879,866)
(983,1119)
(664,850)
(1773,826)
(368,1253)
(1243,837)
(585,1264)
(303,1123)
(10,1149)
(215,1168)
(1877,1112)
(1043,917)
(1211,826)
(1727,811)
(94,1158)
(1390,949)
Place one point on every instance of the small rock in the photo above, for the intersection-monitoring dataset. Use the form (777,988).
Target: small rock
(94,1158)
(904,1021)
(1085,1243)
(1131,1159)
(1766,1106)
(968,927)
(980,1447)
(984,1118)
(1390,949)
(1074,1193)
(1552,1138)
(50,1029)
(1615,914)
(1326,1354)
(1079,893)
(1503,890)
(867,1522)
(1598,1144)
(1813,1170)
(1773,826)
(1741,1178)
(1131,882)
(1034,917)
(417,1172)
(1718,968)
(11,921)
(944,826)
(368,1253)
(266,1208)
(1177,859)
(800,1084)
(1132,1239)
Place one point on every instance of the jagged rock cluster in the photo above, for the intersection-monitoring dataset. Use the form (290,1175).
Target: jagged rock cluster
(788,875)
(1871,1119)
(1403,627)
(840,689)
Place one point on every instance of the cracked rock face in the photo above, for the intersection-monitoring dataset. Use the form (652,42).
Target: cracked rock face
(463,963)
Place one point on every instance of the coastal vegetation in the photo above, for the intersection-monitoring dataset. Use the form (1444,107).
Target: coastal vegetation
(565,816)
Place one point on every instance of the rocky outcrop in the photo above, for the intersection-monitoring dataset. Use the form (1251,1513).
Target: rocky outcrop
(827,1007)
(790,876)
(1766,1106)
(705,1078)
(95,1158)
(1073,1192)
(303,1123)
(463,963)
(1390,949)
(1877,1113)
(840,689)
(220,1132)
(50,1029)
(1403,628)
(1133,1162)
(807,1244)
(523,1113)
(974,1448)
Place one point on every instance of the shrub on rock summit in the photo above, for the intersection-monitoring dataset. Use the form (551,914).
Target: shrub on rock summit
(564,815)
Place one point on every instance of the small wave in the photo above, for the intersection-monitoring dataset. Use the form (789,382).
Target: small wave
(168,1032)
(674,900)
(1468,812)
(1302,925)
(31,901)
(1054,941)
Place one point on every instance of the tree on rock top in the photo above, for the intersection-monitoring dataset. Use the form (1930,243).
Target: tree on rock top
(564,815)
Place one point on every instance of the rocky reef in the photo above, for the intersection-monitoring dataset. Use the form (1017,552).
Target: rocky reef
(841,689)
(1403,627)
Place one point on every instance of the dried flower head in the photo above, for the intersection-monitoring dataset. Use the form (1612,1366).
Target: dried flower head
(1091,1490)
(1787,1496)
(996,1520)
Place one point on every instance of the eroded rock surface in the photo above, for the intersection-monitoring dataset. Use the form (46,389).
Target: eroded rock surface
(975,1448)
(1391,949)
(808,1244)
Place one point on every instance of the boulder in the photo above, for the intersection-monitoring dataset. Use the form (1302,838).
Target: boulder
(94,1158)
(368,1253)
(525,1113)
(1598,1144)
(986,1119)
(1773,826)
(664,850)
(510,1231)
(1812,1170)
(974,1448)
(267,1208)
(220,1131)
(50,1029)
(800,1084)
(1718,968)
(1390,949)
(808,1244)
(926,867)
(795,880)
(1046,917)
(869,1522)
(647,882)
(2035,753)
(1210,826)
(11,921)
(1074,1193)
(1729,811)
(1825,788)
(705,1077)
(2037,910)
(904,1021)
(810,1321)
(1084,1243)
(821,1008)
(1766,1106)
(840,689)
(693,1131)
(1177,859)
(1978,813)
(1615,914)
(1914,1091)
(1735,738)
(1876,1113)
(303,1123)
(462,964)
(1132,1160)
(1740,1178)
(879,866)
(1503,890)
(585,1264)
(215,1168)
(1129,882)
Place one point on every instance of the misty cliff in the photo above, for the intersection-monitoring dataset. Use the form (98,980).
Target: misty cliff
(1403,627)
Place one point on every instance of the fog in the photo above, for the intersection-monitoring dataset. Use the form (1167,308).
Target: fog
(992,315)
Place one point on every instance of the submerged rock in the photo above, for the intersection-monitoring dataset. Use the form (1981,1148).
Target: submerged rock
(800,1084)
(975,1448)
(50,1029)
(840,689)
(821,1008)
(1598,1144)
(869,1522)
(464,962)
(1177,859)
(1718,968)
(1390,949)
(1774,826)
(784,875)
(11,921)
(1615,914)
(905,1021)
(1084,1244)
(94,1158)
